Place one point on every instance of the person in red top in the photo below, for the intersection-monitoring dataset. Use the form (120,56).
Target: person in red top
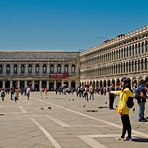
(46,91)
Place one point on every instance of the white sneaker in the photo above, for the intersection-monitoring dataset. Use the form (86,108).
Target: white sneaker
(120,139)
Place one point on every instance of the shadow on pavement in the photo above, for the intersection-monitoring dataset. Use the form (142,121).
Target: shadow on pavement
(100,107)
(91,110)
(138,139)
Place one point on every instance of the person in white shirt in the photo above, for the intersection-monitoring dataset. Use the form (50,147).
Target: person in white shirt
(28,92)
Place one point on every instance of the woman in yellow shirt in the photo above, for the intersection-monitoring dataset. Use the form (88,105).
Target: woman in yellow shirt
(123,109)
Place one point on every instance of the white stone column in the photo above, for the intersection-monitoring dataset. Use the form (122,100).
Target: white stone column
(55,85)
(69,68)
(19,69)
(18,84)
(62,68)
(26,68)
(11,84)
(55,68)
(115,83)
(69,83)
(47,84)
(77,84)
(33,84)
(41,68)
(62,82)
(4,68)
(40,85)
(48,70)
(33,69)
(25,84)
(4,84)
(11,68)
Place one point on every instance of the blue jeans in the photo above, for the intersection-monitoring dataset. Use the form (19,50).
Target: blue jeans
(141,110)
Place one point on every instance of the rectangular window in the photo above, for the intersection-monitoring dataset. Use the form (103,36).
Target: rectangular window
(8,69)
(51,69)
(66,69)
(30,69)
(1,69)
(22,69)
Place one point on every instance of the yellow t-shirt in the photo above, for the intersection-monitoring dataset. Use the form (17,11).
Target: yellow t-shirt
(123,99)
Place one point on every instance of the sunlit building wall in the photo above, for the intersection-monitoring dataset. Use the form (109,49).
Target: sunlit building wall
(124,55)
(39,69)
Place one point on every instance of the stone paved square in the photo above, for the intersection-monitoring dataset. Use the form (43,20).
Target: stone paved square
(62,121)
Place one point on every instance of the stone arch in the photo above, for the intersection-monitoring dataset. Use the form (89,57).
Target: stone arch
(91,82)
(142,47)
(145,64)
(94,84)
(97,83)
(135,49)
(104,83)
(146,46)
(108,83)
(139,48)
(101,83)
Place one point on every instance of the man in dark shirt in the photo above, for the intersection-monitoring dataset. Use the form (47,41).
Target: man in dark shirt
(111,97)
(141,100)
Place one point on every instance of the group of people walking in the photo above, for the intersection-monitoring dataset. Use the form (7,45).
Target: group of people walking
(14,93)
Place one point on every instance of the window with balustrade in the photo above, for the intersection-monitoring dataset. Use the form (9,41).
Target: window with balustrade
(73,68)
(37,68)
(15,69)
(66,68)
(44,68)
(51,68)
(59,68)
(30,69)
(8,69)
(22,68)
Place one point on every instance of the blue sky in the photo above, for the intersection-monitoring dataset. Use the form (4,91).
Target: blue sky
(69,25)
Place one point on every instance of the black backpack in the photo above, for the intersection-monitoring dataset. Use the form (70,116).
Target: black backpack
(2,94)
(130,102)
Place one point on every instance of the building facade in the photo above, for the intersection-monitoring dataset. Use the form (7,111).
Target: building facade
(124,55)
(39,69)
(102,66)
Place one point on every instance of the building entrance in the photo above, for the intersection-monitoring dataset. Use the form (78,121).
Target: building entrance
(51,86)
(36,86)
(7,84)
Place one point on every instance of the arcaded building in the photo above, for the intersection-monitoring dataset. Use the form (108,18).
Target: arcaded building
(39,69)
(124,55)
(102,66)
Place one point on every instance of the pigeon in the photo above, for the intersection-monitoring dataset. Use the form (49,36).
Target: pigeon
(84,105)
(49,107)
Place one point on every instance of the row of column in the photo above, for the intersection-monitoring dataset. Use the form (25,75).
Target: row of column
(33,83)
(40,68)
